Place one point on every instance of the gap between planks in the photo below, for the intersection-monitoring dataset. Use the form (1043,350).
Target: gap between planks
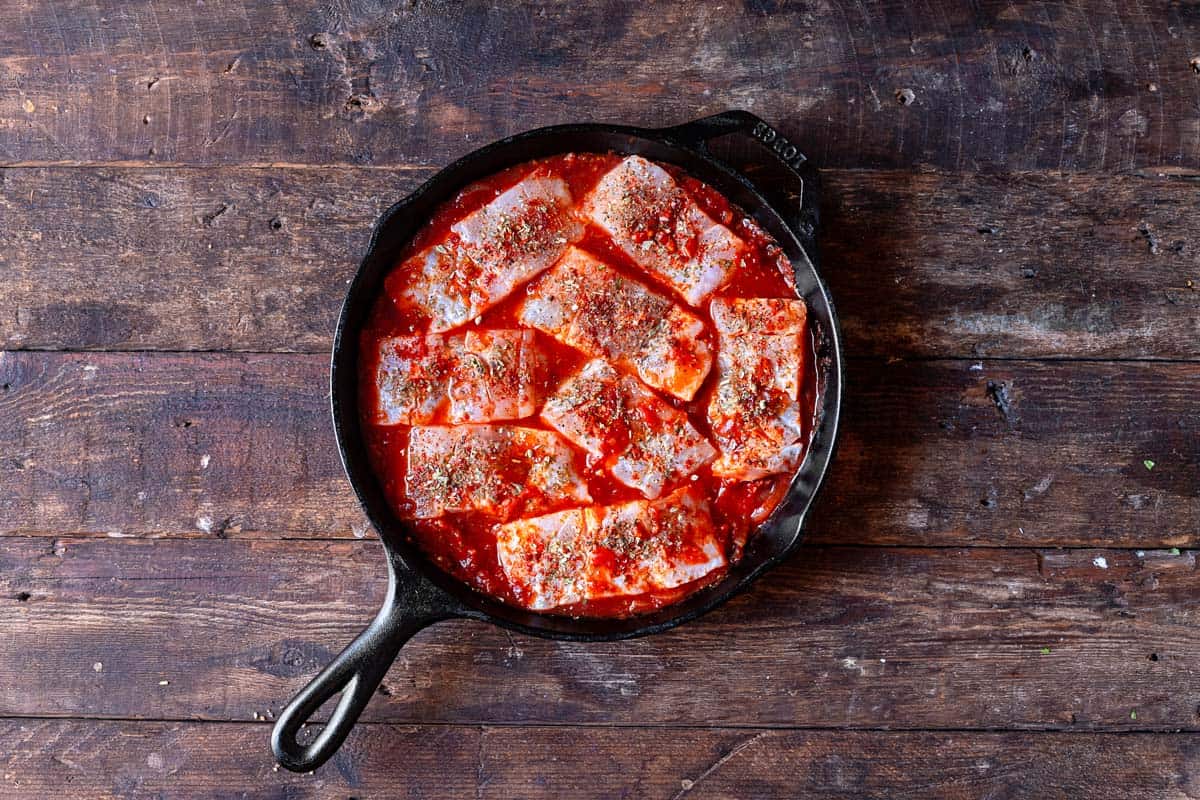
(892,730)
(1145,173)
(857,359)
(373,538)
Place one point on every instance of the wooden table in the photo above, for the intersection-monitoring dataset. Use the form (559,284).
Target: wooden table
(998,596)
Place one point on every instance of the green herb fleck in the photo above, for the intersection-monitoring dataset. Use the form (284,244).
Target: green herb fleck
(1133,715)
(1174,551)
(1045,651)
(1148,464)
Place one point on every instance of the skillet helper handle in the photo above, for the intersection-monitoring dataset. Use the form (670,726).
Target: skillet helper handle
(699,131)
(412,604)
(800,180)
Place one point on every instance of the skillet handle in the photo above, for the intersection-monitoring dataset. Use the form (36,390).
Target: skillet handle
(799,184)
(699,131)
(412,604)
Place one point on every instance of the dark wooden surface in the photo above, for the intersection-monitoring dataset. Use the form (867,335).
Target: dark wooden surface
(999,596)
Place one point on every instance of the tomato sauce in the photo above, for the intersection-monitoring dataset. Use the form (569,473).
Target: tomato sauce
(464,544)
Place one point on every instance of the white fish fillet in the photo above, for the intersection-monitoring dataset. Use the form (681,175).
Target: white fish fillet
(497,470)
(547,557)
(657,224)
(478,376)
(754,413)
(498,376)
(610,551)
(491,252)
(588,305)
(642,440)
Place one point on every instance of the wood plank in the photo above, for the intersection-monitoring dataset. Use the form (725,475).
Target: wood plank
(102,760)
(933,453)
(1098,85)
(920,265)
(1002,266)
(141,445)
(192,261)
(849,637)
(196,760)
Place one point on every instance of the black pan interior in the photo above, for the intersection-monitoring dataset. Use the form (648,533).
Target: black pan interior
(774,540)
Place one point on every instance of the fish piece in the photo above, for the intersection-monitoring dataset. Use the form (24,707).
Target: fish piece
(548,557)
(438,284)
(588,305)
(658,225)
(489,254)
(610,551)
(479,376)
(754,413)
(642,440)
(498,470)
(646,545)
(410,380)
(766,316)
(522,232)
(497,375)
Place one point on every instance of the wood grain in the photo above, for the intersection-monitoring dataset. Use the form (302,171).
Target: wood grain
(209,444)
(1010,188)
(933,453)
(196,760)
(920,265)
(842,637)
(1095,86)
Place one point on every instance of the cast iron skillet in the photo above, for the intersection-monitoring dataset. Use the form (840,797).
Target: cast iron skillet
(419,594)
